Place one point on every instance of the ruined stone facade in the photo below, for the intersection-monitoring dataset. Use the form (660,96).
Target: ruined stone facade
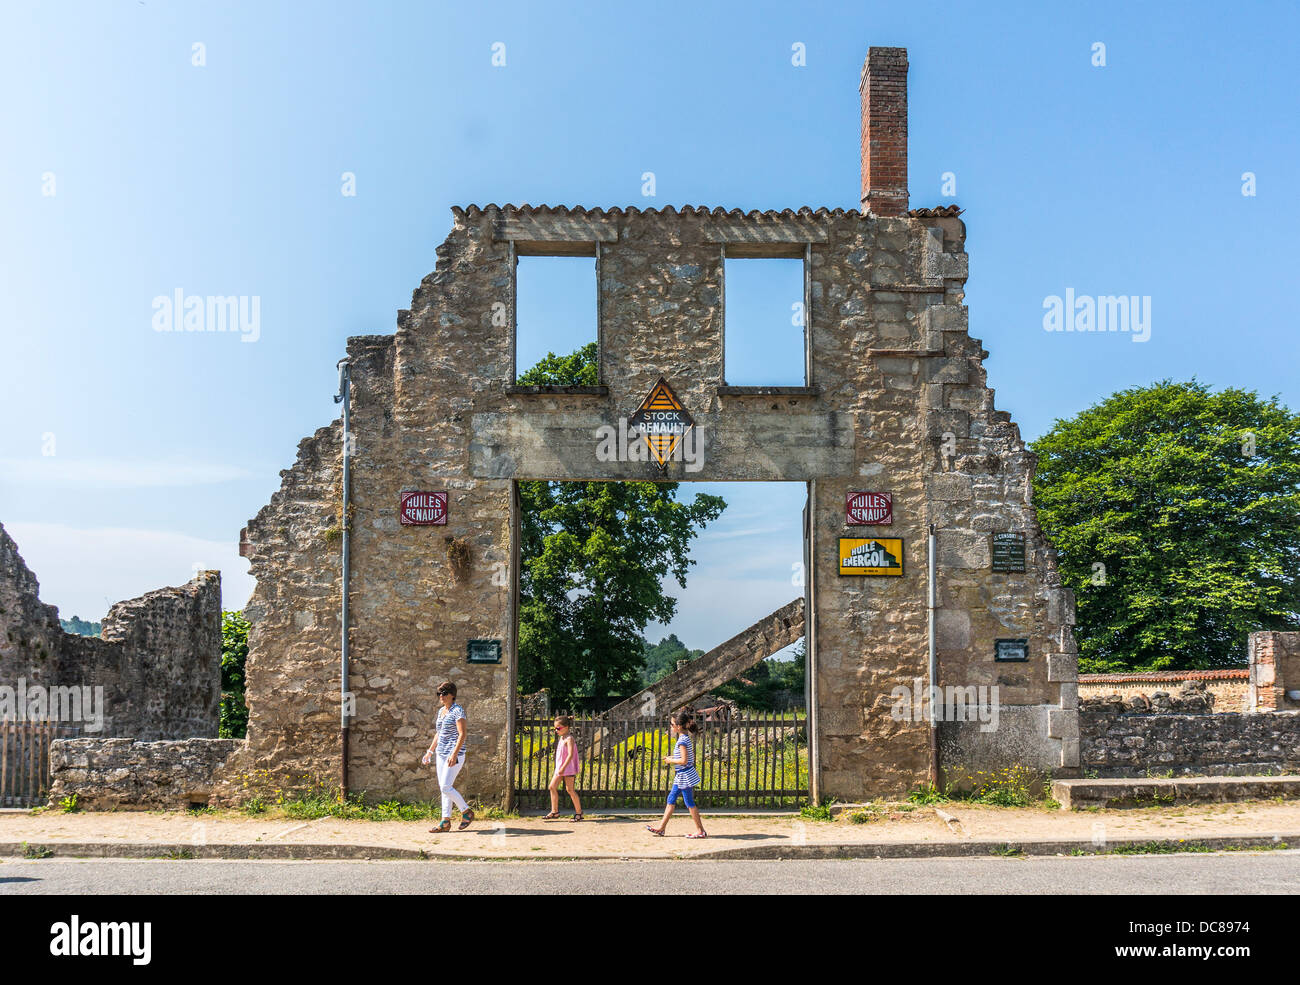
(158,657)
(895,400)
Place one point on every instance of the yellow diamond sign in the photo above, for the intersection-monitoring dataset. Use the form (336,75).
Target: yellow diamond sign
(662,421)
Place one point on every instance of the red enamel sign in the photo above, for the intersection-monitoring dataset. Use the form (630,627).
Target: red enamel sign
(869,508)
(423,509)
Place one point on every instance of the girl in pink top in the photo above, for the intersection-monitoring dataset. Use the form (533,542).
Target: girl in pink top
(566,769)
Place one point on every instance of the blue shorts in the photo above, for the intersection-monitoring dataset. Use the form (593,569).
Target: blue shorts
(688,795)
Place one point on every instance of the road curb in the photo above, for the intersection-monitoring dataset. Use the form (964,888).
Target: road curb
(881,850)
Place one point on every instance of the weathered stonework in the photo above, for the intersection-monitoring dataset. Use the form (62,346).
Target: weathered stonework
(1274,660)
(895,401)
(122,774)
(1119,742)
(158,657)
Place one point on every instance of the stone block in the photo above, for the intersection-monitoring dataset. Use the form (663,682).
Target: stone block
(1062,667)
(949,487)
(963,549)
(952,629)
(1063,723)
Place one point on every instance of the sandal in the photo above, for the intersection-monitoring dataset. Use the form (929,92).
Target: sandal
(698,834)
(441,828)
(578,817)
(553,816)
(654,831)
(465,819)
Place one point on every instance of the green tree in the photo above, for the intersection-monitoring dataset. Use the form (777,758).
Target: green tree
(771,685)
(1176,515)
(661,659)
(593,556)
(234,653)
(80,626)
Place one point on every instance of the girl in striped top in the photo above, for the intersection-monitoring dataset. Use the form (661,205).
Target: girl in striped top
(686,779)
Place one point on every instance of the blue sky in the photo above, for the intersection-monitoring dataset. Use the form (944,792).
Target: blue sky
(225,179)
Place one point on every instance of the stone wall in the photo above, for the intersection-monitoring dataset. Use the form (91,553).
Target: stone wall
(896,401)
(123,774)
(158,658)
(1178,733)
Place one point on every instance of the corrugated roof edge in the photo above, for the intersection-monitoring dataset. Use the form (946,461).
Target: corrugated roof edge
(699,210)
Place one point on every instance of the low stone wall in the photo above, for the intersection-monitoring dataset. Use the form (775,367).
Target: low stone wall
(124,774)
(1133,740)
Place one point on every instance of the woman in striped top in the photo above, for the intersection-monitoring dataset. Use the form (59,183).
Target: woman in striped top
(686,778)
(448,749)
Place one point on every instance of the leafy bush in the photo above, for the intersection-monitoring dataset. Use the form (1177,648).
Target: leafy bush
(234,654)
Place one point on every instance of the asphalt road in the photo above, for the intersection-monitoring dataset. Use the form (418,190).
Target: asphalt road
(1225,873)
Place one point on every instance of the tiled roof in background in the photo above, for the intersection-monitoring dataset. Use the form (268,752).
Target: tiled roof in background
(1158,676)
(699,210)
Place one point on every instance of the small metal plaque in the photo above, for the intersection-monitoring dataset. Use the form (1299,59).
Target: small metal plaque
(863,509)
(484,651)
(1009,552)
(1011,650)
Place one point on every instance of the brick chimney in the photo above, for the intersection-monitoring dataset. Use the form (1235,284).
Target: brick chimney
(884,131)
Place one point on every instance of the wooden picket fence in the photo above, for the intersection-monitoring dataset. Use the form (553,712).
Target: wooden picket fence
(746,760)
(25,760)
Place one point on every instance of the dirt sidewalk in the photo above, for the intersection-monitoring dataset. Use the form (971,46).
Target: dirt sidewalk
(899,831)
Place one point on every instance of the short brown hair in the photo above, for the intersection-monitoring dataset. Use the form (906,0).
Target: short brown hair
(447,687)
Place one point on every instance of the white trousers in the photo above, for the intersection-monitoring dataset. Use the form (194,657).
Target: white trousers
(446,777)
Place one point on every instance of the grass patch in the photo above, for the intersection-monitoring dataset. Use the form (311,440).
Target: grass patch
(321,804)
(816,812)
(68,805)
(1008,851)
(863,816)
(1014,786)
(1160,848)
(929,794)
(36,851)
(1180,847)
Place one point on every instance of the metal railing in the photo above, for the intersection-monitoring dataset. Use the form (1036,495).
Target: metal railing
(744,760)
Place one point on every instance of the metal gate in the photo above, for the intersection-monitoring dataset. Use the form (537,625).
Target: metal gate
(745,760)
(25,761)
